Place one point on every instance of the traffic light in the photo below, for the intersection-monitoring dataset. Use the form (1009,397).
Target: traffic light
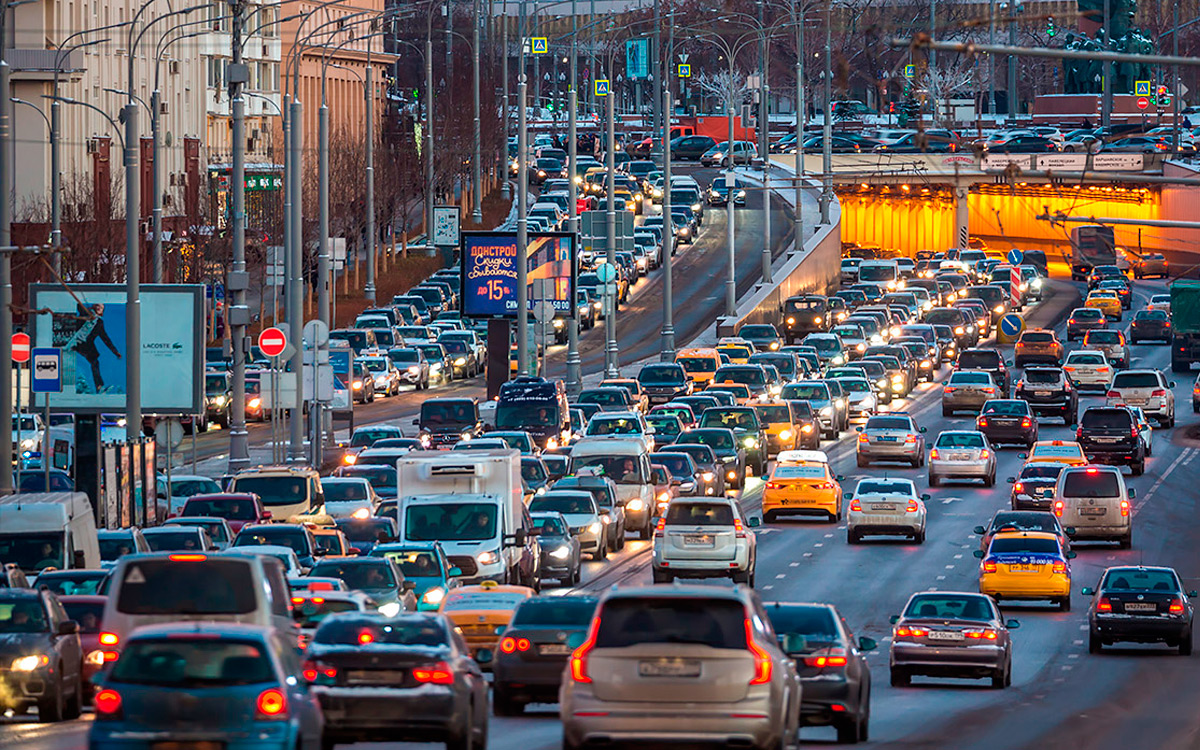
(1051,29)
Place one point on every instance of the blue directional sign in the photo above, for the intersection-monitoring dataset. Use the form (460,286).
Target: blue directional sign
(540,45)
(1012,325)
(602,87)
(47,370)
(1015,257)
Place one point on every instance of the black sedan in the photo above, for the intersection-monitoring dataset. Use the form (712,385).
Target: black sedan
(561,555)
(1150,325)
(401,679)
(377,577)
(1033,489)
(1008,420)
(1140,605)
(832,664)
(529,664)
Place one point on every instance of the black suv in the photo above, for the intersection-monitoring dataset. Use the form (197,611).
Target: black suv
(1109,435)
(1049,393)
(1033,489)
(988,360)
(804,314)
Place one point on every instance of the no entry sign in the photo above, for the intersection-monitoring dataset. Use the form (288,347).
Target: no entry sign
(271,341)
(20,347)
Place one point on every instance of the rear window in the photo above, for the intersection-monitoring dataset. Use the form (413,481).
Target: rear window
(979,360)
(1037,338)
(718,623)
(774,413)
(404,631)
(1151,315)
(180,663)
(960,440)
(552,612)
(168,587)
(1132,579)
(970,378)
(1106,419)
(1042,376)
(700,514)
(1087,359)
(888,423)
(949,607)
(87,614)
(1086,313)
(309,613)
(1102,337)
(1022,544)
(1088,484)
(1135,380)
(1006,407)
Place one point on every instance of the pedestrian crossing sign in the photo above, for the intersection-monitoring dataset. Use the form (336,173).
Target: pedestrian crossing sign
(685,70)
(540,45)
(602,87)
(1141,88)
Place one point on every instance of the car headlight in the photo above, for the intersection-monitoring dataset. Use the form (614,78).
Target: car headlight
(465,436)
(750,442)
(30,663)
(958,331)
(860,347)
(883,383)
(219,400)
(838,359)
(460,361)
(999,308)
(741,194)
(435,367)
(28,443)
(594,527)
(868,402)
(424,439)
(826,411)
(391,609)
(562,553)
(413,370)
(596,305)
(434,595)
(488,557)
(785,435)
(791,321)
(255,402)
(708,476)
(350,459)
(635,505)
(839,403)
(925,363)
(695,206)
(356,385)
(94,658)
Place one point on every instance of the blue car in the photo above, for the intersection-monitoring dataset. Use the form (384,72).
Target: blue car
(425,564)
(205,685)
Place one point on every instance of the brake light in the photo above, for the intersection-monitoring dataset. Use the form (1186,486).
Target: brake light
(1078,433)
(984,453)
(111,656)
(903,631)
(933,453)
(509,644)
(1059,567)
(1019,487)
(981,422)
(187,558)
(1133,431)
(989,391)
(1124,508)
(365,637)
(947,389)
(863,438)
(1158,394)
(579,657)
(762,660)
(1176,607)
(989,566)
(738,530)
(107,704)
(855,505)
(313,671)
(1026,422)
(438,674)
(1058,508)
(109,639)
(1113,394)
(830,657)
(272,704)
(1104,605)
(912,507)
(661,528)
(986,634)
(776,485)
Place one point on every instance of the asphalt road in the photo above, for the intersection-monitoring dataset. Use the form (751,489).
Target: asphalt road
(1130,697)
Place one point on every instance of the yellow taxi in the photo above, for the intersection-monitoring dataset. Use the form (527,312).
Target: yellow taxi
(781,426)
(699,364)
(1066,452)
(737,349)
(1105,300)
(802,484)
(741,392)
(1026,565)
(483,611)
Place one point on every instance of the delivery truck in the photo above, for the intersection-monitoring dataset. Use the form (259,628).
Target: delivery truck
(1185,324)
(44,530)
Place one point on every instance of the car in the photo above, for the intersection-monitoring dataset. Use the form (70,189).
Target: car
(236,680)
(1140,604)
(362,383)
(832,663)
(1112,343)
(703,537)
(747,429)
(311,608)
(1033,488)
(967,389)
(951,634)
(729,452)
(1056,451)
(1026,565)
(620,424)
(743,152)
(861,401)
(1038,345)
(384,372)
(704,470)
(691,146)
(482,611)
(88,611)
(413,368)
(1109,435)
(1159,302)
(1148,389)
(890,437)
(962,454)
(609,398)
(1048,391)
(1096,503)
(1008,421)
(404,678)
(219,532)
(77,581)
(1023,520)
(885,506)
(764,336)
(1107,302)
(989,361)
(534,649)
(1087,368)
(582,514)
(801,483)
(294,536)
(426,566)
(42,654)
(561,553)
(1122,289)
(640,672)
(1084,319)
(1151,264)
(378,578)
(178,539)
(625,507)
(1150,325)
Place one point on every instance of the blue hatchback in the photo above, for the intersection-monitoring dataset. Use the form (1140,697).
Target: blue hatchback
(426,565)
(205,685)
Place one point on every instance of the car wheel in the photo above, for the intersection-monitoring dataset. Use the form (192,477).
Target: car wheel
(919,537)
(464,739)
(849,732)
(933,479)
(947,412)
(74,704)
(1000,678)
(900,677)
(1126,542)
(1139,468)
(51,708)
(1185,644)
(769,516)
(599,554)
(990,481)
(662,576)
(863,462)
(1064,604)
(1094,644)
(851,536)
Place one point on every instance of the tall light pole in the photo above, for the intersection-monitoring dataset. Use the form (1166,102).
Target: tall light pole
(477,170)
(827,129)
(798,213)
(1106,69)
(574,376)
(764,121)
(991,108)
(667,75)
(522,206)
(238,281)
(1012,60)
(611,355)
(505,114)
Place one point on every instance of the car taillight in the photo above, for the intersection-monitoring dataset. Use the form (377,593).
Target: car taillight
(984,634)
(863,439)
(271,704)
(579,656)
(107,704)
(1058,508)
(762,660)
(823,486)
(1176,607)
(910,438)
(1019,487)
(1078,433)
(738,530)
(775,485)
(912,507)
(314,672)
(830,657)
(903,631)
(1104,605)
(1133,431)
(1026,422)
(1158,394)
(510,645)
(989,391)
(984,453)
(933,454)
(981,422)
(436,674)
(1124,508)
(989,566)
(661,528)
(855,505)
(1059,567)
(109,639)
(947,389)
(1113,394)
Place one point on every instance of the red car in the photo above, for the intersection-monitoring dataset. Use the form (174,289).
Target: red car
(87,610)
(238,508)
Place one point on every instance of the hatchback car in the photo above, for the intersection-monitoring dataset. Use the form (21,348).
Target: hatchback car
(1008,421)
(1150,325)
(1048,392)
(1112,343)
(1084,319)
(890,437)
(886,507)
(951,634)
(534,649)
(704,538)
(962,454)
(1140,605)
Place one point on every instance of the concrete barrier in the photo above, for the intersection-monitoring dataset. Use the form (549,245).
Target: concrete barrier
(814,270)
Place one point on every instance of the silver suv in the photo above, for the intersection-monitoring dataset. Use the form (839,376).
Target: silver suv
(680,664)
(704,537)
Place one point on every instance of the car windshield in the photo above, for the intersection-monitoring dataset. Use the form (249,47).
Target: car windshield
(414,563)
(1090,484)
(855,385)
(450,522)
(24,615)
(600,425)
(365,574)
(170,541)
(555,612)
(699,514)
(697,364)
(734,419)
(1023,545)
(1042,471)
(350,630)
(622,469)
(168,587)
(550,526)
(215,385)
(700,453)
(948,607)
(1135,380)
(435,414)
(1006,407)
(774,413)
(715,439)
(282,536)
(364,529)
(1135,579)
(277,490)
(343,491)
(563,502)
(605,397)
(364,437)
(679,466)
(661,375)
(311,612)
(802,391)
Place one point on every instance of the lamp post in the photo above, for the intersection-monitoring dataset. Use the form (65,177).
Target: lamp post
(668,329)
(827,124)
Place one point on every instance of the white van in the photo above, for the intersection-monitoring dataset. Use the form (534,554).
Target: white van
(883,272)
(43,530)
(195,587)
(624,460)
(1092,502)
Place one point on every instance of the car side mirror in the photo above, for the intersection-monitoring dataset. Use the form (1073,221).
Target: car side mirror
(534,532)
(926,497)
(978,553)
(979,530)
(266,515)
(1172,384)
(894,619)
(754,522)
(1012,624)
(1070,531)
(840,477)
(1022,456)
(416,423)
(1070,555)
(848,496)
(1011,480)
(1132,493)
(867,644)
(68,627)
(921,430)
(454,572)
(483,656)
(858,429)
(1087,591)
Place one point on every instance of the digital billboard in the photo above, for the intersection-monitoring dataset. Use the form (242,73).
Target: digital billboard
(489,273)
(87,323)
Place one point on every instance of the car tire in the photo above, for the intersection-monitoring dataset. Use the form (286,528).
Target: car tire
(900,677)
(662,576)
(50,710)
(328,743)
(74,704)
(919,537)
(990,481)
(1064,604)
(947,412)
(1126,542)
(769,516)
(465,738)
(852,536)
(1095,645)
(849,731)
(1185,644)
(1139,468)
(933,479)
(1000,679)
(599,555)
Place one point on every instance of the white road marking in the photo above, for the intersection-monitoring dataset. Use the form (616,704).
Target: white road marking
(958,556)
(941,578)
(1187,453)
(780,575)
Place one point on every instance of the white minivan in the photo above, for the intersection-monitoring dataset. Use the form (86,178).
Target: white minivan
(624,460)
(1092,502)
(883,272)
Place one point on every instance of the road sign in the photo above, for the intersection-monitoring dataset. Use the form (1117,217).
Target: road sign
(606,272)
(272,342)
(1012,325)
(1015,256)
(910,71)
(540,45)
(168,433)
(1143,102)
(602,87)
(1141,88)
(685,70)
(1014,287)
(47,370)
(20,347)
(543,311)
(316,333)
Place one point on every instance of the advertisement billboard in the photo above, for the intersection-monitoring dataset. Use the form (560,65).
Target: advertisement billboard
(87,323)
(489,273)
(637,59)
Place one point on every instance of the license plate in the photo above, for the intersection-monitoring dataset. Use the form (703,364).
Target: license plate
(1024,569)
(886,439)
(669,668)
(1141,607)
(883,506)
(1093,511)
(1106,439)
(375,676)
(945,635)
(198,745)
(1136,401)
(1041,394)
(698,540)
(554,649)
(958,456)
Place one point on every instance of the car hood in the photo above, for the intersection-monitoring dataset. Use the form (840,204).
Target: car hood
(13,645)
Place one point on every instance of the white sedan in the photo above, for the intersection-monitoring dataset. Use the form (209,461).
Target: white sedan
(885,507)
(1088,368)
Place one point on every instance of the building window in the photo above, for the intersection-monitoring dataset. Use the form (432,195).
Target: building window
(268,19)
(216,71)
(216,13)
(268,76)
